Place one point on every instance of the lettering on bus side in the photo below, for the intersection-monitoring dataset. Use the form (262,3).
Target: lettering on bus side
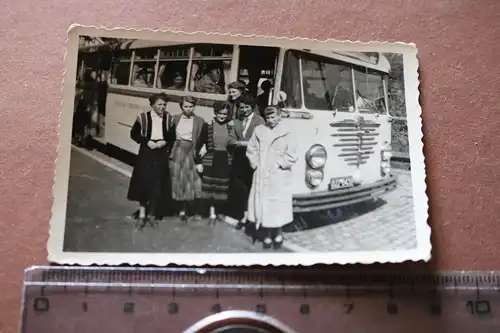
(128,105)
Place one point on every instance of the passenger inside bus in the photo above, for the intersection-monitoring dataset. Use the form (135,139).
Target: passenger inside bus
(178,83)
(172,75)
(144,78)
(211,81)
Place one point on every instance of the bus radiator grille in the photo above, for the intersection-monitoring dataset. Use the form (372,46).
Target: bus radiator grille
(356,140)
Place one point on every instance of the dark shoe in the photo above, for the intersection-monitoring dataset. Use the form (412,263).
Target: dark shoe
(241,225)
(156,222)
(141,223)
(254,239)
(254,234)
(184,218)
(277,244)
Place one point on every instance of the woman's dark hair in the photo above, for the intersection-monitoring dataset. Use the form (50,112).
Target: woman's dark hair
(189,99)
(221,105)
(236,85)
(249,100)
(153,98)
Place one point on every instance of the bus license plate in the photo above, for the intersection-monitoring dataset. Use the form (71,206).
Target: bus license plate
(337,183)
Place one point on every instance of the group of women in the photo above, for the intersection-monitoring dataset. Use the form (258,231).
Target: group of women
(237,164)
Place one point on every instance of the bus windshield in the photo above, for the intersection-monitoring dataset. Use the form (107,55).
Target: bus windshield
(330,84)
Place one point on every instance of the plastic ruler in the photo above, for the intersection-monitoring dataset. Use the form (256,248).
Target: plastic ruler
(303,300)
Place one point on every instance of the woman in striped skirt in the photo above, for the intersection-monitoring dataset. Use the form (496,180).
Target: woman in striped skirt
(216,162)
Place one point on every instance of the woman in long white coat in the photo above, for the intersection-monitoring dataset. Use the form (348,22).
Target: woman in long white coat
(272,154)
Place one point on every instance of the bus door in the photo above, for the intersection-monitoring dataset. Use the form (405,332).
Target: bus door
(257,68)
(93,76)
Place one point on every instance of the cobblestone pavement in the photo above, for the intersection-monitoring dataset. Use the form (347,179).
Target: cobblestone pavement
(385,224)
(97,220)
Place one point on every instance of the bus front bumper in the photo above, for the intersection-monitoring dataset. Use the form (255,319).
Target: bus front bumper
(333,199)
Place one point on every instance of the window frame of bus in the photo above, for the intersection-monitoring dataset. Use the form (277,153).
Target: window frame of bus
(153,60)
(177,58)
(384,76)
(299,55)
(234,68)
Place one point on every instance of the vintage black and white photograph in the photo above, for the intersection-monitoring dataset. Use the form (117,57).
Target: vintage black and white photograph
(180,148)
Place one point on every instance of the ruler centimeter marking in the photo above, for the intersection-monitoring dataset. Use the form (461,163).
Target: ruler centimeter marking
(286,301)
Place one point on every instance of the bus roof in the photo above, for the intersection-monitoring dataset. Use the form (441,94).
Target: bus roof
(139,44)
(376,61)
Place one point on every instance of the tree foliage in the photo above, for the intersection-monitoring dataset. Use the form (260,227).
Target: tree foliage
(397,103)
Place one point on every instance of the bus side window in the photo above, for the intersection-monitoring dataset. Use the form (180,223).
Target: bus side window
(172,68)
(290,82)
(211,68)
(120,68)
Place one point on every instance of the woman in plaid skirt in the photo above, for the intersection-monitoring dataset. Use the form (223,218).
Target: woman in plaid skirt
(185,160)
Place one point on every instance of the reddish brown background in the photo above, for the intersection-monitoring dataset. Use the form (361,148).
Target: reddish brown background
(458,41)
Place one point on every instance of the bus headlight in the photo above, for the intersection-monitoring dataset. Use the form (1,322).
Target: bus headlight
(314,177)
(316,156)
(385,159)
(386,151)
(356,177)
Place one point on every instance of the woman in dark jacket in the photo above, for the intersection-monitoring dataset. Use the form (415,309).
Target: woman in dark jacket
(241,173)
(150,182)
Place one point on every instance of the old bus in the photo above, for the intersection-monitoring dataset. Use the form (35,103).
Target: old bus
(335,102)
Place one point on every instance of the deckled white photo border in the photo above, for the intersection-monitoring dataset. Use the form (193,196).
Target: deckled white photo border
(62,164)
